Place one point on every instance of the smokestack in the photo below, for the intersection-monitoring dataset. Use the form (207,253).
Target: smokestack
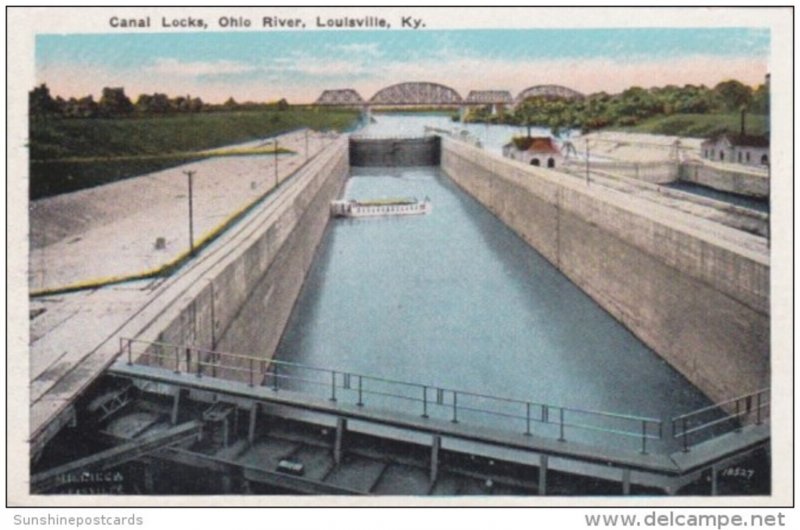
(741,128)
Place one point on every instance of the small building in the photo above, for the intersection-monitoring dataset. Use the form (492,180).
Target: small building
(744,149)
(534,150)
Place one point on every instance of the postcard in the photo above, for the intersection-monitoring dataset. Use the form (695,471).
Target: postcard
(400,256)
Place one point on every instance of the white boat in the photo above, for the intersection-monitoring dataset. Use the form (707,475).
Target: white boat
(380,207)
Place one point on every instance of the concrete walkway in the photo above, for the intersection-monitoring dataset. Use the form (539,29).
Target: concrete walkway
(109,233)
(74,336)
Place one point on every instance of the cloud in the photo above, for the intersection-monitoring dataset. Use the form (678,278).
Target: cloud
(173,67)
(371,49)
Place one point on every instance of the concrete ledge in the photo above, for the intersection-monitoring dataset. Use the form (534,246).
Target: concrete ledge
(733,180)
(694,291)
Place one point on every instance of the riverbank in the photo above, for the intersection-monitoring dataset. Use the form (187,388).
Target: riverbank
(698,125)
(73,154)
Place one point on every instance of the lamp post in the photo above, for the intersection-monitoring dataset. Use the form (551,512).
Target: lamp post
(189,175)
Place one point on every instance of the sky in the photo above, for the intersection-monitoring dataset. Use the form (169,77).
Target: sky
(298,65)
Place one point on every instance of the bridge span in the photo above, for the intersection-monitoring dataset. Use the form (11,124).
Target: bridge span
(424,93)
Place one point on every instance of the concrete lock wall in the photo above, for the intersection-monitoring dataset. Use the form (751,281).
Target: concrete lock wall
(243,305)
(700,303)
(401,152)
(740,182)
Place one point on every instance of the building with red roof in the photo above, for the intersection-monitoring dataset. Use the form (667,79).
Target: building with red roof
(534,150)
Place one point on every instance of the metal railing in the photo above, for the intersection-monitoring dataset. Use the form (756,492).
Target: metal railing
(731,415)
(399,137)
(426,400)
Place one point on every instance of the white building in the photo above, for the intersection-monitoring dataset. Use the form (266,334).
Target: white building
(535,151)
(738,149)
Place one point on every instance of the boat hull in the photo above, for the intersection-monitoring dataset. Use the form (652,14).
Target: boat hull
(355,209)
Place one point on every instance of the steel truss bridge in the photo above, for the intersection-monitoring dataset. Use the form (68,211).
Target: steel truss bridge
(435,94)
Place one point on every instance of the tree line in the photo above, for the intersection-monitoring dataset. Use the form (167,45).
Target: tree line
(630,107)
(114,103)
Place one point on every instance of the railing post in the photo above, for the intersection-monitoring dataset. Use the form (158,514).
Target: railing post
(333,385)
(561,425)
(455,407)
(425,402)
(199,365)
(685,437)
(360,401)
(251,371)
(274,377)
(177,360)
(738,417)
(188,360)
(644,437)
(758,408)
(527,419)
(130,350)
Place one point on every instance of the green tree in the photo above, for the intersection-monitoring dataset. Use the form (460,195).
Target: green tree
(733,94)
(41,103)
(760,102)
(115,103)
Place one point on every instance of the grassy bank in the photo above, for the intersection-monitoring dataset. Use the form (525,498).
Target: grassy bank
(698,125)
(72,154)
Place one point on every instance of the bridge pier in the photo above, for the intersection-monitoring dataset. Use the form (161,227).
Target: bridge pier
(543,474)
(251,429)
(714,481)
(341,427)
(176,400)
(626,481)
(148,478)
(435,446)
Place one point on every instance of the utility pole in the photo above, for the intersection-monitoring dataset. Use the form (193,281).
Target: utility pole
(190,174)
(587,161)
(276,162)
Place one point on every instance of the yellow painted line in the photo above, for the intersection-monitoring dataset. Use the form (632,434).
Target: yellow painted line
(174,263)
